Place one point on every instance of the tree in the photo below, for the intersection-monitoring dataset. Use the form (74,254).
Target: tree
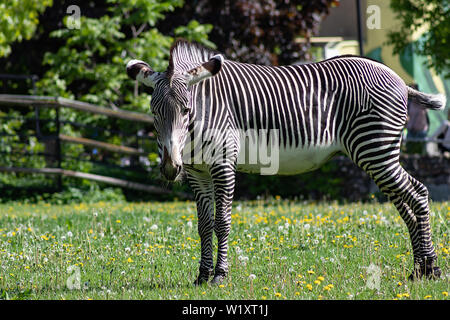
(434,16)
(19,21)
(86,61)
(90,64)
(261,31)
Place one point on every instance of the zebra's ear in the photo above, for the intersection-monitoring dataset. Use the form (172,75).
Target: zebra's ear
(141,71)
(206,70)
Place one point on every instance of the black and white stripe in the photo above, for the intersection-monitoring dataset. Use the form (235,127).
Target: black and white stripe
(346,104)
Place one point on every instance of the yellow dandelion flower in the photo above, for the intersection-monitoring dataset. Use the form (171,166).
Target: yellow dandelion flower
(328,287)
(445,293)
(129,260)
(309,287)
(311,272)
(277,294)
(427,297)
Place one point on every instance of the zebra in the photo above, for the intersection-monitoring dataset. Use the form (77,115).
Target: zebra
(348,104)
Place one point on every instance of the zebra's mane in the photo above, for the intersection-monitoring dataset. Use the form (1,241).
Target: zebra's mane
(185,55)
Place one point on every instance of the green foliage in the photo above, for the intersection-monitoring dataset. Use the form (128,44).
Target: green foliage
(19,20)
(434,15)
(86,61)
(38,188)
(323,183)
(92,194)
(194,31)
(90,66)
(17,147)
(92,60)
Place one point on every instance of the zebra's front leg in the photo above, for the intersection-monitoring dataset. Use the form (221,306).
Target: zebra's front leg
(223,180)
(202,186)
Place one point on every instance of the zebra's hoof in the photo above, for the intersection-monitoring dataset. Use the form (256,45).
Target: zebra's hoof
(219,277)
(435,273)
(430,272)
(203,277)
(200,280)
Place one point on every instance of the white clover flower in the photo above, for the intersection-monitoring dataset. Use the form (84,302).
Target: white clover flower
(306,226)
(189,224)
(70,234)
(154,227)
(127,249)
(252,277)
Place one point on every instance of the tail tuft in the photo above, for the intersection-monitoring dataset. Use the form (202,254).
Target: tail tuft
(429,101)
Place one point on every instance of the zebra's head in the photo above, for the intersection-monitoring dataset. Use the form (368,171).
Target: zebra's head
(172,106)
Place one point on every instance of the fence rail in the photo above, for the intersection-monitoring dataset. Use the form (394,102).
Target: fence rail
(38,102)
(55,102)
(102,145)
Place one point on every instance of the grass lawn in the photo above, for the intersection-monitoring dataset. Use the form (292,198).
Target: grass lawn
(279,249)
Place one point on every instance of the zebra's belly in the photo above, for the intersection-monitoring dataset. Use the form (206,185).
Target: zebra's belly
(289,161)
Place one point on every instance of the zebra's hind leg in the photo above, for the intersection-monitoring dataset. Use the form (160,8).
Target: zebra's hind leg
(420,206)
(410,198)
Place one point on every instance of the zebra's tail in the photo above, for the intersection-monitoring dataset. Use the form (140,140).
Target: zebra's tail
(429,101)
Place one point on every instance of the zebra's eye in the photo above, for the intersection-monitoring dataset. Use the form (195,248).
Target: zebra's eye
(184,111)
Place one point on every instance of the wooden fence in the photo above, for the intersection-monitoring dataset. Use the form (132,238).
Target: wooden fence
(38,102)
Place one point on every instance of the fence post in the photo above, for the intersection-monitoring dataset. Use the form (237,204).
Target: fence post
(58,150)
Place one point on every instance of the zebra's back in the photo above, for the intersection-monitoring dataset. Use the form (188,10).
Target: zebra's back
(312,106)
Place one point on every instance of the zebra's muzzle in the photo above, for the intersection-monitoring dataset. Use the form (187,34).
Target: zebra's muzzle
(169,168)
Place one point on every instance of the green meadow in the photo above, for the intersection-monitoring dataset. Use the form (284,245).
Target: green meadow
(279,249)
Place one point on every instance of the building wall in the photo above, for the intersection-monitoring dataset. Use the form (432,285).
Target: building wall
(341,21)
(409,66)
